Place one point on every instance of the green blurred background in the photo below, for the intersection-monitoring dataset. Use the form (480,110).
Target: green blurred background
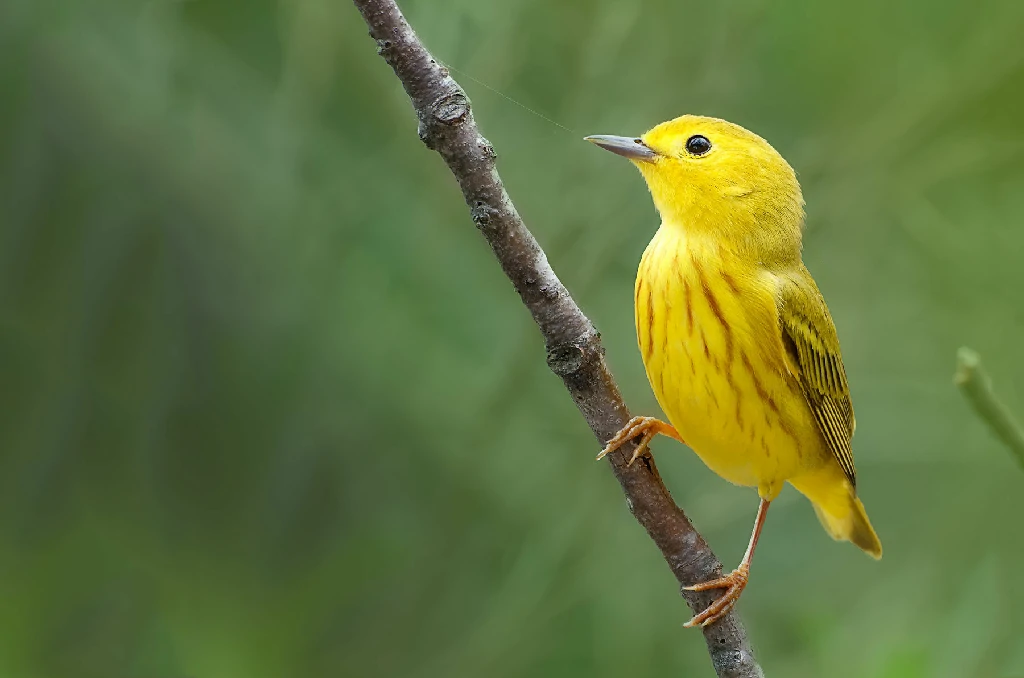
(268,407)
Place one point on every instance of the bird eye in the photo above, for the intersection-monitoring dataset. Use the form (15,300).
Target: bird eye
(698,144)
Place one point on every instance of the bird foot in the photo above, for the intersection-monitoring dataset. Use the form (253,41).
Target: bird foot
(733,583)
(646,428)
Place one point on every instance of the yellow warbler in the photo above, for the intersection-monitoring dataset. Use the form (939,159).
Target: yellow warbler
(737,341)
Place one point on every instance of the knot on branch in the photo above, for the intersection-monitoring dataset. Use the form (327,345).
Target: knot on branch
(451,108)
(447,110)
(565,359)
(483,214)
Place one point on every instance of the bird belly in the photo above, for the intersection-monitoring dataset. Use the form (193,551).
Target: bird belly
(704,326)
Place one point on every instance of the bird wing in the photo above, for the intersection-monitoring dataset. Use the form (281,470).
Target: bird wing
(812,345)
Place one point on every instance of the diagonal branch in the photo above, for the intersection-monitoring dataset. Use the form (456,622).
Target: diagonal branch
(976,385)
(574,349)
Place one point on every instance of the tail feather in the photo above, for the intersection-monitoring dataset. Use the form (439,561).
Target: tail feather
(854,526)
(840,511)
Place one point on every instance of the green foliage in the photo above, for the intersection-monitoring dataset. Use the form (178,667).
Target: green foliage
(270,409)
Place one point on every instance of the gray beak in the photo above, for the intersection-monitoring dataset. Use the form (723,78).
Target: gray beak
(627,147)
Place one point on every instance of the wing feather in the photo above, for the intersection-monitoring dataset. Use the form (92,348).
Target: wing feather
(810,338)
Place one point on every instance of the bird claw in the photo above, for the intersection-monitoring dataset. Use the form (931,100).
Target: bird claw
(647,427)
(733,583)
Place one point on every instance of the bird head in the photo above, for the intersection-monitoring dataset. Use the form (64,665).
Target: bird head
(712,177)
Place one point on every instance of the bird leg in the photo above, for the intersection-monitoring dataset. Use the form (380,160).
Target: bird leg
(646,428)
(733,583)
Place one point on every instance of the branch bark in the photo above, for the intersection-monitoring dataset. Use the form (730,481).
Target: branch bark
(574,350)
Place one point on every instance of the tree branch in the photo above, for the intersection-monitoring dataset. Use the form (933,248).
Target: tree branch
(976,386)
(574,350)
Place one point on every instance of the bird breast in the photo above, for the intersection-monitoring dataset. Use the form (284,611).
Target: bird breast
(707,327)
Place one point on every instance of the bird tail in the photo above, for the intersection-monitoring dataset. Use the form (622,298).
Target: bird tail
(840,511)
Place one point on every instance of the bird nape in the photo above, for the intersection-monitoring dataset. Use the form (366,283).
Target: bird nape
(736,339)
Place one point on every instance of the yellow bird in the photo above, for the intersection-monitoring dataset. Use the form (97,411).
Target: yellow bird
(738,344)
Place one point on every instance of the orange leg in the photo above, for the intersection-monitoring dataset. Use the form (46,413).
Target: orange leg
(733,583)
(646,428)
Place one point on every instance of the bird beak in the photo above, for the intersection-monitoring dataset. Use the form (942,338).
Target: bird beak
(627,147)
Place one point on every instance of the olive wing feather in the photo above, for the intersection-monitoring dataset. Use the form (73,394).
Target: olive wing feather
(810,338)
